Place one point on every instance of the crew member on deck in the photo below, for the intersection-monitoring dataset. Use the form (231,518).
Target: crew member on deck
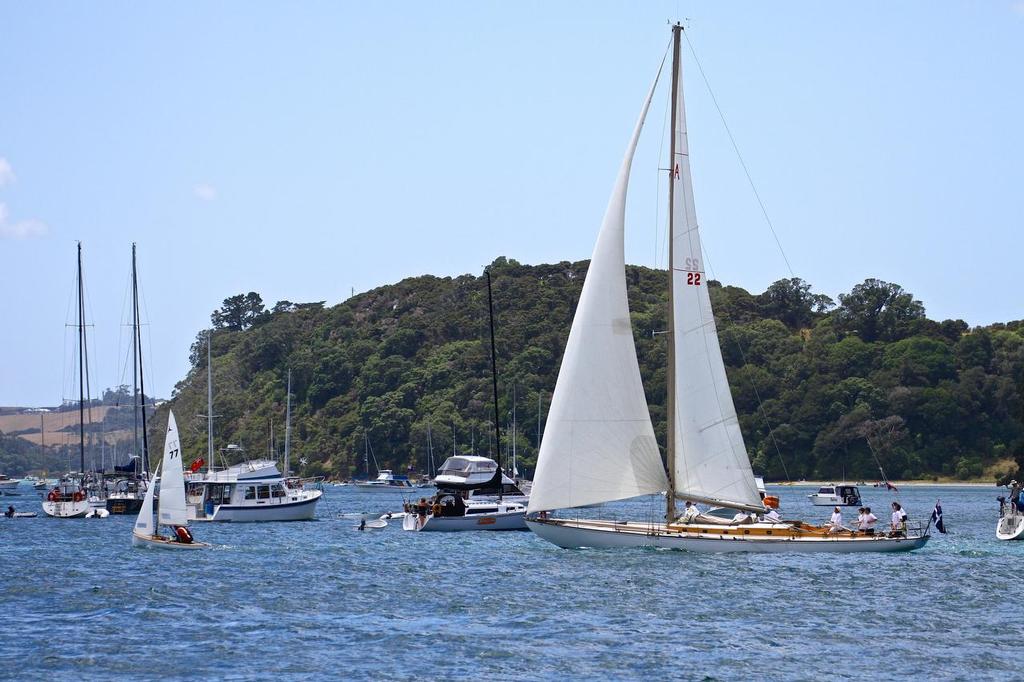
(690,513)
(772,516)
(899,520)
(836,522)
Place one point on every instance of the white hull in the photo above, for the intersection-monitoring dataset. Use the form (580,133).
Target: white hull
(9,486)
(159,542)
(509,520)
(377,488)
(1010,527)
(571,534)
(66,510)
(303,510)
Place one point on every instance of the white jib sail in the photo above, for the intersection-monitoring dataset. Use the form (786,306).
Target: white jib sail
(144,523)
(172,479)
(711,461)
(599,443)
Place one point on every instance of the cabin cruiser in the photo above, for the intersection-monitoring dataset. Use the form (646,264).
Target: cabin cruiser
(473,474)
(251,491)
(386,481)
(836,496)
(473,493)
(8,484)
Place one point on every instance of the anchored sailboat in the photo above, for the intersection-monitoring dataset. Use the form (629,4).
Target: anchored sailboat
(599,444)
(172,511)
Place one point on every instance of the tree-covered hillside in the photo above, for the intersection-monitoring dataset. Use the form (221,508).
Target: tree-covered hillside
(819,385)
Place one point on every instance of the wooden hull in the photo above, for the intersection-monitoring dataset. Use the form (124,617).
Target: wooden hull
(160,542)
(1010,527)
(576,534)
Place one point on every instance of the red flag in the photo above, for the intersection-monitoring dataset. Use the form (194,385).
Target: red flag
(196,465)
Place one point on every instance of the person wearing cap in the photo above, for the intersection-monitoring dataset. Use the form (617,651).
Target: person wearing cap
(836,523)
(691,513)
(773,515)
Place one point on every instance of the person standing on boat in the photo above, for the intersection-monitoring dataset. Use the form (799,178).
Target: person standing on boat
(899,520)
(869,521)
(836,522)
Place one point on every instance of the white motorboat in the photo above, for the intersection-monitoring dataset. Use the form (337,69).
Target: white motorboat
(449,511)
(1010,526)
(8,484)
(599,443)
(386,481)
(474,473)
(171,510)
(836,496)
(251,491)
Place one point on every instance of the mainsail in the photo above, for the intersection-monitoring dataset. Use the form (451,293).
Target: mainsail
(599,443)
(172,479)
(711,462)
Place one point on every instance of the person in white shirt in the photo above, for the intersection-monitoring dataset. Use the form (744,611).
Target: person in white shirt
(772,516)
(741,517)
(869,521)
(836,523)
(862,519)
(691,512)
(899,520)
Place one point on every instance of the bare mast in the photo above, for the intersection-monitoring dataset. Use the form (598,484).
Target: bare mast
(288,426)
(137,352)
(81,366)
(670,445)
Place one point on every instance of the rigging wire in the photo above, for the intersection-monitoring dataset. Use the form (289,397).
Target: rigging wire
(736,148)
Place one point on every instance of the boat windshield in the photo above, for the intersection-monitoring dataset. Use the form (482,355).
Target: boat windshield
(460,466)
(827,490)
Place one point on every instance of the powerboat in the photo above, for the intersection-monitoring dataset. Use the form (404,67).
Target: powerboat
(836,496)
(473,474)
(1011,515)
(127,496)
(386,481)
(473,493)
(254,490)
(8,484)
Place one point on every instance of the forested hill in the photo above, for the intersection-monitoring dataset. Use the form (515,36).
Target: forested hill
(819,384)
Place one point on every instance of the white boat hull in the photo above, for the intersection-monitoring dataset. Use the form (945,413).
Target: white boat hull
(508,520)
(572,534)
(1010,527)
(160,542)
(377,488)
(66,510)
(302,510)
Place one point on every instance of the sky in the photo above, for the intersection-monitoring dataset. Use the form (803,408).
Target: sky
(306,150)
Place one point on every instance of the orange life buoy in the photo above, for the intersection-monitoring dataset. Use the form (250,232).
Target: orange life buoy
(78,496)
(771,501)
(54,496)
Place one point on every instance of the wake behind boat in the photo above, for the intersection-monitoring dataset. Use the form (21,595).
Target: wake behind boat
(171,510)
(599,444)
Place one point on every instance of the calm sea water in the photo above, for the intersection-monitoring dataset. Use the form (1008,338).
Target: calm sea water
(321,599)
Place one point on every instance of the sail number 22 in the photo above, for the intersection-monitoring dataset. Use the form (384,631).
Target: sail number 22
(693,278)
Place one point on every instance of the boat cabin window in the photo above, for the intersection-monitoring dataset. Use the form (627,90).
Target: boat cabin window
(460,466)
(219,494)
(826,490)
(263,492)
(277,490)
(250,492)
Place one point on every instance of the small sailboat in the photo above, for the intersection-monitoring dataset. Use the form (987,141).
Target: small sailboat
(599,444)
(172,511)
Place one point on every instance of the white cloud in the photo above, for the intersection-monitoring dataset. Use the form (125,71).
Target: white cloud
(6,172)
(205,192)
(23,229)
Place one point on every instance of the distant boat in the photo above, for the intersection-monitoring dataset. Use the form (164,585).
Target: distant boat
(836,496)
(599,443)
(386,481)
(8,484)
(171,511)
(69,499)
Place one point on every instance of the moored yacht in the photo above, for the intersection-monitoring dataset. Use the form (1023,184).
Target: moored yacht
(386,481)
(254,490)
(836,496)
(8,484)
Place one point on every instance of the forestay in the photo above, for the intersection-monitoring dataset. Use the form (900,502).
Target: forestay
(599,443)
(172,479)
(711,462)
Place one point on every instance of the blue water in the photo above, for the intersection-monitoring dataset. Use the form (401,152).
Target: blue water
(321,599)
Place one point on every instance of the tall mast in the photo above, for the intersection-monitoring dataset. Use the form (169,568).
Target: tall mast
(135,364)
(514,471)
(670,445)
(494,380)
(209,402)
(137,352)
(288,425)
(81,366)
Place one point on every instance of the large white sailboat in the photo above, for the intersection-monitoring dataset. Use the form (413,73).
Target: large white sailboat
(171,511)
(599,444)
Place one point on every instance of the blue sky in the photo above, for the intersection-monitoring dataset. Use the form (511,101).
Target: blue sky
(304,149)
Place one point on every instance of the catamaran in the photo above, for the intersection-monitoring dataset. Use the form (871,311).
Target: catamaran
(171,510)
(599,444)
